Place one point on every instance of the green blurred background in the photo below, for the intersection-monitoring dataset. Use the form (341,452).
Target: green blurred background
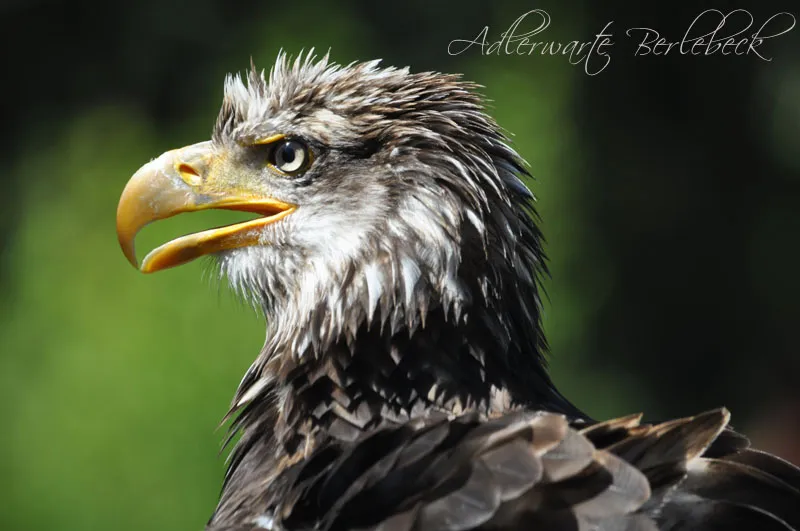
(668,187)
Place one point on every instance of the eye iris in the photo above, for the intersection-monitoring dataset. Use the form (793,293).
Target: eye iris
(290,156)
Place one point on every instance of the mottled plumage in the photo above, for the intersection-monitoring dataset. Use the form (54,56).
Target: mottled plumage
(403,384)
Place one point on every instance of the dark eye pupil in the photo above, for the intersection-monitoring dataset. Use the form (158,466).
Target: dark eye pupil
(287,153)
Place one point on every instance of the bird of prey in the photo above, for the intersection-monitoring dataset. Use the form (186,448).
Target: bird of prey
(403,386)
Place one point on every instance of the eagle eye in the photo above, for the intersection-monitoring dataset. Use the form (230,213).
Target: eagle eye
(290,156)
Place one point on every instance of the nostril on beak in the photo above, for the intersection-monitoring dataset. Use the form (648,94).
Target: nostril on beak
(189,174)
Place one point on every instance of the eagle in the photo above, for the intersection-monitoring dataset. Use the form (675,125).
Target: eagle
(403,385)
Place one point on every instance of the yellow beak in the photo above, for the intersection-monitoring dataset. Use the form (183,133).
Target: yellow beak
(187,180)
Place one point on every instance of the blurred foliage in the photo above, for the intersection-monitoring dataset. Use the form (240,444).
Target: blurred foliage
(670,211)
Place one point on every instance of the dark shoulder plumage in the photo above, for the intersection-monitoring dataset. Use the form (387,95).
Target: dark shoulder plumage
(533,470)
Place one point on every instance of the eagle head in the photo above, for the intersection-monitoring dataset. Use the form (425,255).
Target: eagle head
(382,196)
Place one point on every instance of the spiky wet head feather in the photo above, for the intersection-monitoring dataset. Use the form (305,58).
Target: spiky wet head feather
(413,202)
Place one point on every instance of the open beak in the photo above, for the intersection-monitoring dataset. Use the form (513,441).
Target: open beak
(187,180)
